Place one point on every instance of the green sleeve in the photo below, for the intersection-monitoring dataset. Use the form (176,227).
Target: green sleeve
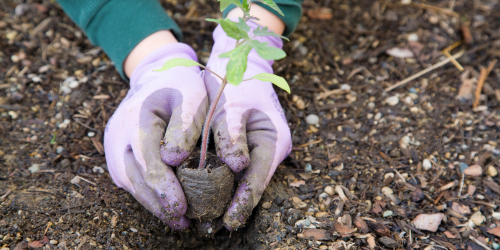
(291,8)
(117,26)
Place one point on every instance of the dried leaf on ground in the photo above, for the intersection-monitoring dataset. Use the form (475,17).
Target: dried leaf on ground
(379,228)
(317,234)
(429,222)
(344,231)
(460,208)
(474,170)
(495,231)
(297,183)
(361,225)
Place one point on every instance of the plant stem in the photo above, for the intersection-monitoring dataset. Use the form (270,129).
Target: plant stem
(206,126)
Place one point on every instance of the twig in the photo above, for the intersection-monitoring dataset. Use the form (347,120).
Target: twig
(447,51)
(479,242)
(451,5)
(461,185)
(430,7)
(482,77)
(83,179)
(459,67)
(341,194)
(425,71)
(400,176)
(5,195)
(310,143)
(86,126)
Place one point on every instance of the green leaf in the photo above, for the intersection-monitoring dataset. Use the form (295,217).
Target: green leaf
(233,30)
(242,25)
(53,141)
(225,3)
(263,31)
(177,62)
(267,52)
(237,64)
(276,80)
(246,6)
(273,5)
(213,20)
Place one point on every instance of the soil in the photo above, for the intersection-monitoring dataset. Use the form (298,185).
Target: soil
(208,191)
(357,179)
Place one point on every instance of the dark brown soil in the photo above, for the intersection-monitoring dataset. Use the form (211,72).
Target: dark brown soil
(208,191)
(361,145)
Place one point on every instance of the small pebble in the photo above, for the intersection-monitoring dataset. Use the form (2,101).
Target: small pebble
(65,89)
(387,213)
(405,2)
(308,168)
(53,242)
(301,205)
(266,205)
(323,195)
(492,171)
(433,19)
(495,245)
(303,50)
(133,230)
(387,190)
(392,101)
(300,104)
(426,164)
(312,119)
(463,166)
(307,222)
(372,60)
(477,218)
(391,175)
(98,169)
(73,84)
(377,116)
(44,69)
(321,214)
(13,114)
(64,124)
(413,37)
(371,105)
(34,168)
(91,134)
(329,190)
(59,150)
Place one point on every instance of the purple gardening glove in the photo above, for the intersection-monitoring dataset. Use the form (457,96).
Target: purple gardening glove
(250,128)
(156,126)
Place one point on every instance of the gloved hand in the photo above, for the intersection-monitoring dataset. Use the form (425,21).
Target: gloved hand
(156,126)
(250,128)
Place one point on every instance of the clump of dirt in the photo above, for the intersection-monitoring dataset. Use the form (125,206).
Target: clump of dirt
(208,191)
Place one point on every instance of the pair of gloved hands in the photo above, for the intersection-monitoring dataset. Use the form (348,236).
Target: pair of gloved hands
(159,122)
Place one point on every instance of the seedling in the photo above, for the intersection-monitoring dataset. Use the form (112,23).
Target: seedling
(237,58)
(208,187)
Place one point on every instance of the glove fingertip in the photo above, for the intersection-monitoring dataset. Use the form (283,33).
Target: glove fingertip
(173,156)
(236,162)
(180,223)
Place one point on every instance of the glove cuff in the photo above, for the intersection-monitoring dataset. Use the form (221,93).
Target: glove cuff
(157,58)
